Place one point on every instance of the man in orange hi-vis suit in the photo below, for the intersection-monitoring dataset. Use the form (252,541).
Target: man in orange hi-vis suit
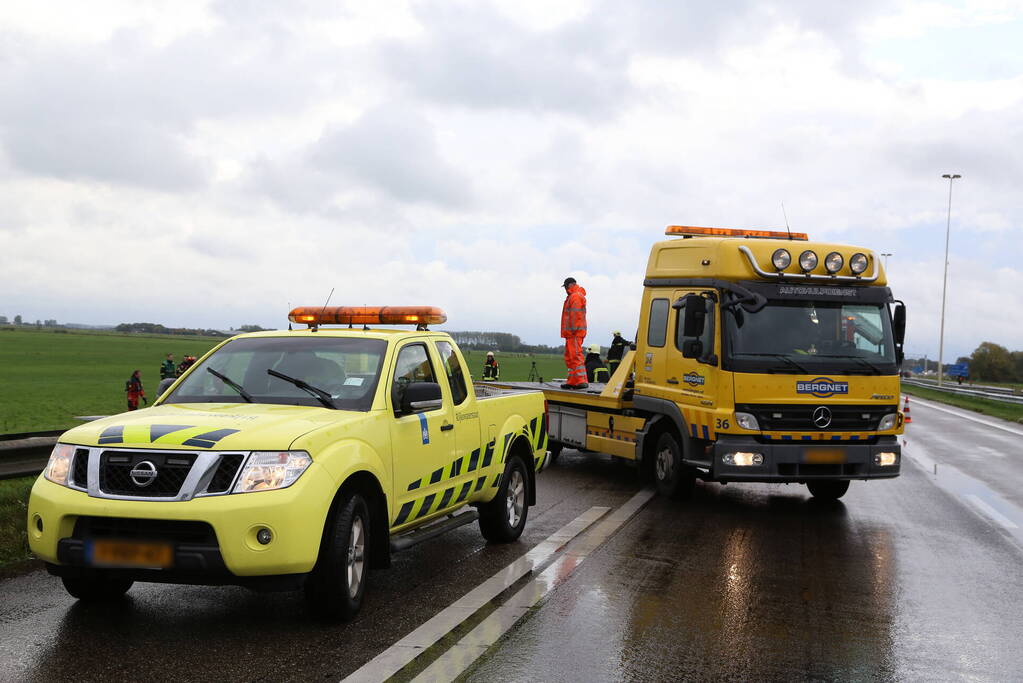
(573,331)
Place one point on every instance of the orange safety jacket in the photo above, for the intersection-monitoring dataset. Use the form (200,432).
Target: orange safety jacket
(573,314)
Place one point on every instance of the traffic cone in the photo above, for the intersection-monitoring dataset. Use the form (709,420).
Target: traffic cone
(907,418)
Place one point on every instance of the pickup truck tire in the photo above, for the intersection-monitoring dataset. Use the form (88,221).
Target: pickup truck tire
(827,490)
(673,478)
(335,588)
(503,518)
(96,587)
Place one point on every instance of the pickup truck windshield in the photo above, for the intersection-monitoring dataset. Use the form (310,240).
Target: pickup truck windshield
(345,369)
(817,337)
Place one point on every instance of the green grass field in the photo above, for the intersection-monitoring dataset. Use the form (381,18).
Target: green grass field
(13,513)
(47,377)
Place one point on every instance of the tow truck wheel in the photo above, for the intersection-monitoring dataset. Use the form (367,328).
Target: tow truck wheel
(503,518)
(337,583)
(554,448)
(96,587)
(827,490)
(674,479)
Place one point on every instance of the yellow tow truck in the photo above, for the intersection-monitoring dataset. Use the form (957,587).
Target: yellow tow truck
(760,357)
(291,459)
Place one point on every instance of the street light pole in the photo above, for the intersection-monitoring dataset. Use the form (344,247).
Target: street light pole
(886,261)
(944,282)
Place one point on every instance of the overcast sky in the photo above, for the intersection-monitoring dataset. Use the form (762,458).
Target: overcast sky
(209,164)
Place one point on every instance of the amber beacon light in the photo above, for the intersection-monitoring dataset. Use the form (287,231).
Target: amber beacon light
(692,231)
(367,315)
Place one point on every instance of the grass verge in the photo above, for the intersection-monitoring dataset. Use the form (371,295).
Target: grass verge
(13,512)
(1005,411)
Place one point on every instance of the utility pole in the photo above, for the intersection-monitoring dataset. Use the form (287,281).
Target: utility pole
(944,283)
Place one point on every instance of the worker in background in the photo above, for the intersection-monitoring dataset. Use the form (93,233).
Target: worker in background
(167,368)
(185,363)
(133,387)
(491,370)
(617,351)
(596,371)
(573,331)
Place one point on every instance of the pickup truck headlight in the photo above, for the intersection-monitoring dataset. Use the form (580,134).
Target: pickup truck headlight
(269,470)
(59,466)
(887,422)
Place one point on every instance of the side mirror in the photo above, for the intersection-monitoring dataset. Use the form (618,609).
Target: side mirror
(692,348)
(695,314)
(899,324)
(420,397)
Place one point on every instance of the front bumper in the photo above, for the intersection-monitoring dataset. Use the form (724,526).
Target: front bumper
(800,462)
(294,516)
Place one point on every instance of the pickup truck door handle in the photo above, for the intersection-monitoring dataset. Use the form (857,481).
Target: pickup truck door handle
(445,427)
(672,381)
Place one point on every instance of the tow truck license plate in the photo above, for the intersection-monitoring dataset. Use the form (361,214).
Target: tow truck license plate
(120,553)
(823,456)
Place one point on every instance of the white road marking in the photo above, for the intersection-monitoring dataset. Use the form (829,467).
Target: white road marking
(396,657)
(470,648)
(990,511)
(966,415)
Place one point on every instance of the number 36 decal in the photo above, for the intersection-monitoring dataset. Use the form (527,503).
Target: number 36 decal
(721,423)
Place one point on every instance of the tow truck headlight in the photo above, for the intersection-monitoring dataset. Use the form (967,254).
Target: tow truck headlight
(269,470)
(781,258)
(885,459)
(858,263)
(833,262)
(741,459)
(808,260)
(747,421)
(59,466)
(887,422)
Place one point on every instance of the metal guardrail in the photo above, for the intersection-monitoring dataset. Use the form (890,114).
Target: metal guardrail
(1003,394)
(25,454)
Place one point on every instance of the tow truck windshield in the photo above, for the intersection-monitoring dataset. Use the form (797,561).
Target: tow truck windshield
(333,372)
(800,337)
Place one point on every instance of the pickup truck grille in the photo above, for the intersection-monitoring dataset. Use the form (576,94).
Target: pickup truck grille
(799,417)
(115,476)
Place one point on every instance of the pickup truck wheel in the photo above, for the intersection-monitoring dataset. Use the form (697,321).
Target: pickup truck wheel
(673,478)
(96,587)
(503,519)
(827,490)
(337,583)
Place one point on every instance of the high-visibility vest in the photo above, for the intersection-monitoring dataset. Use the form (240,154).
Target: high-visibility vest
(573,313)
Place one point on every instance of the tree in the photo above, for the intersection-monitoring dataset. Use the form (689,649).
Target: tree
(251,328)
(17,320)
(992,363)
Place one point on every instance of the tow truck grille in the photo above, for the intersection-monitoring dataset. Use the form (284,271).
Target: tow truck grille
(171,469)
(844,418)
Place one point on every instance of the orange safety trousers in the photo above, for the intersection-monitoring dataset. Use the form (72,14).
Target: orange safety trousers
(575,361)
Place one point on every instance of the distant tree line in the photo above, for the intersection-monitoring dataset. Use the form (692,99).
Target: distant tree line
(156,328)
(993,363)
(499,341)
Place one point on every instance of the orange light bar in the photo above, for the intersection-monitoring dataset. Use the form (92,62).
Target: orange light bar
(367,315)
(690,231)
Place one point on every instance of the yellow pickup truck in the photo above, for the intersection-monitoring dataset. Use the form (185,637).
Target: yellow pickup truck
(291,459)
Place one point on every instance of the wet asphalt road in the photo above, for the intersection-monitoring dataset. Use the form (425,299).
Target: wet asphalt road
(916,578)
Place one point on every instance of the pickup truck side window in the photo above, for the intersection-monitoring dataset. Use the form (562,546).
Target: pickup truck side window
(413,365)
(456,376)
(657,328)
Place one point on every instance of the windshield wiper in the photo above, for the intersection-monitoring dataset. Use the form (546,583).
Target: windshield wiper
(320,395)
(864,361)
(783,357)
(231,383)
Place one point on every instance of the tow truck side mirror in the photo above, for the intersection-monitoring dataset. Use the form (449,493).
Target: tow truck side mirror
(899,324)
(692,348)
(420,397)
(695,315)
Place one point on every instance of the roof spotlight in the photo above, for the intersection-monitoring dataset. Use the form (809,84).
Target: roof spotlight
(781,258)
(833,262)
(808,261)
(858,263)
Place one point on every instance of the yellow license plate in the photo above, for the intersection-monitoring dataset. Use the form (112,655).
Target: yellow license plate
(824,456)
(119,553)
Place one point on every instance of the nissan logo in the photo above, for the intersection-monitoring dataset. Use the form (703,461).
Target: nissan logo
(821,417)
(143,474)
